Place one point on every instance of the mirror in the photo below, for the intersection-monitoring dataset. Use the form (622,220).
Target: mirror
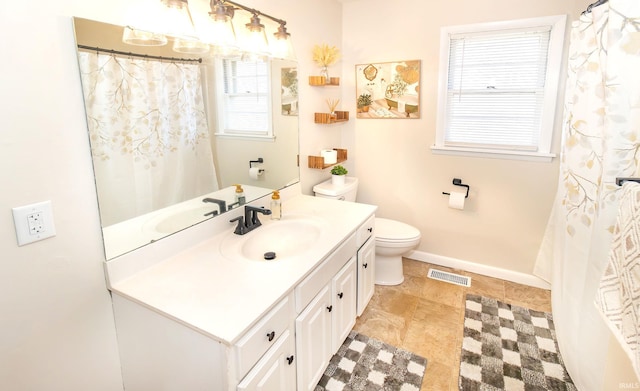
(152,171)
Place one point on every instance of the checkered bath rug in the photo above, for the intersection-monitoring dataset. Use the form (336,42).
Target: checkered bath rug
(506,347)
(363,363)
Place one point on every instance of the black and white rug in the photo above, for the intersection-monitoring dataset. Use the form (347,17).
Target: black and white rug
(363,363)
(506,347)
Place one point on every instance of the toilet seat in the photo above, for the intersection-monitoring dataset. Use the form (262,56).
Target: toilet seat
(394,232)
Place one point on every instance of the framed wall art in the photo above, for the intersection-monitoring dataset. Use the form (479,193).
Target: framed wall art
(289,91)
(388,89)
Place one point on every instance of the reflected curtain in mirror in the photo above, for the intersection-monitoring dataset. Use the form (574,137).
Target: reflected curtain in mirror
(148,131)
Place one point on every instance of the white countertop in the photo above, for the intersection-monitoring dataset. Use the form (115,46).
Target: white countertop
(223,298)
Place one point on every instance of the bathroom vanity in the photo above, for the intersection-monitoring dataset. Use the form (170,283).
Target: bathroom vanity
(200,311)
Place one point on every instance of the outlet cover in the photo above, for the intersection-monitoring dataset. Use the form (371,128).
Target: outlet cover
(33,222)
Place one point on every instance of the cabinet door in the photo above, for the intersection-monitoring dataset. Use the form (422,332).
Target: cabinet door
(343,289)
(366,273)
(313,340)
(276,370)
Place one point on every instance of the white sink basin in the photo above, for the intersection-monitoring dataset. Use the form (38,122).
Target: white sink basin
(181,219)
(289,237)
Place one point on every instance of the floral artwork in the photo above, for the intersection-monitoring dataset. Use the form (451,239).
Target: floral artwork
(388,90)
(289,88)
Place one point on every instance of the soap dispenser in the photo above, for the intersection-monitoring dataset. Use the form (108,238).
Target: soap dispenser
(276,206)
(240,198)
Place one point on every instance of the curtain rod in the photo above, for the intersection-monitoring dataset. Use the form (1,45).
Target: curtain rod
(591,6)
(95,48)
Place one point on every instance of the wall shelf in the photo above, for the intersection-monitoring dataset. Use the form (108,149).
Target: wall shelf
(325,118)
(318,81)
(318,161)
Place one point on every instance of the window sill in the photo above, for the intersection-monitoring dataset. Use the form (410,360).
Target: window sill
(246,137)
(494,154)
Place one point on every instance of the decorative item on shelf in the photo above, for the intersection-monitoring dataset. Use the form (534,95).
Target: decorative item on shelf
(333,103)
(364,102)
(325,55)
(330,156)
(338,175)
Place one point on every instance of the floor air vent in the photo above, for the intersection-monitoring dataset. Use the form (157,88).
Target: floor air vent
(449,277)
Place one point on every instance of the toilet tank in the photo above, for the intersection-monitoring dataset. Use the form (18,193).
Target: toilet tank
(346,192)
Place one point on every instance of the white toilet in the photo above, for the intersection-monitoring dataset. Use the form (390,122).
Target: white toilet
(393,238)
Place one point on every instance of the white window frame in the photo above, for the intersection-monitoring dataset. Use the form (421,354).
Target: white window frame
(221,100)
(557,24)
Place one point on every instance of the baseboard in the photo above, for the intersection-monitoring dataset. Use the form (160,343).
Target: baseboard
(485,270)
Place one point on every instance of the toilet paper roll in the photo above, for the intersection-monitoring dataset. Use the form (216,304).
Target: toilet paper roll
(330,156)
(255,172)
(456,200)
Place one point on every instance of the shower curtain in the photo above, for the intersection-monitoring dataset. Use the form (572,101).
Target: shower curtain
(148,131)
(601,141)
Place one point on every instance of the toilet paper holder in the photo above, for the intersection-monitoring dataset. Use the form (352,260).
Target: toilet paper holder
(260,160)
(458,182)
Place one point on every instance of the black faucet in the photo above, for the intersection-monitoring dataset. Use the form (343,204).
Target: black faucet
(221,204)
(249,221)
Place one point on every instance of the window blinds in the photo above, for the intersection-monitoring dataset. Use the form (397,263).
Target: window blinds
(246,88)
(495,89)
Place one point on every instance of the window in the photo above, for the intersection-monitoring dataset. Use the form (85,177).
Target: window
(245,106)
(498,88)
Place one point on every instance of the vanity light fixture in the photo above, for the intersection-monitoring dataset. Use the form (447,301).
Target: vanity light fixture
(219,31)
(256,41)
(190,46)
(174,20)
(282,46)
(138,37)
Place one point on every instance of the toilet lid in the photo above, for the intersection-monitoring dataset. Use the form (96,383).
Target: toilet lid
(394,230)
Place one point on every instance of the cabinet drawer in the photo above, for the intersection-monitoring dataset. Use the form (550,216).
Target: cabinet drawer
(366,230)
(276,368)
(263,335)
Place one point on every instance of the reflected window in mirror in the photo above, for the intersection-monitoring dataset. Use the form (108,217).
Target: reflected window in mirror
(245,107)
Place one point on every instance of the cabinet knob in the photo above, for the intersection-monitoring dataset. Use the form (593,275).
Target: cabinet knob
(290,359)
(329,308)
(340,295)
(370,229)
(365,265)
(271,335)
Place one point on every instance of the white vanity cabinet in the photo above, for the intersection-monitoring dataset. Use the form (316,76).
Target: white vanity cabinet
(324,325)
(366,263)
(197,320)
(158,353)
(343,306)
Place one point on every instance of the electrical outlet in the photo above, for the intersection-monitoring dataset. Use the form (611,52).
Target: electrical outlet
(33,222)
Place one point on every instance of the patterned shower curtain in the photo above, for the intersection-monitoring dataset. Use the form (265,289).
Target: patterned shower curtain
(601,141)
(149,137)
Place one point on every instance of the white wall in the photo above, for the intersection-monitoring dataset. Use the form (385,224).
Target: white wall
(57,330)
(56,324)
(509,204)
(510,201)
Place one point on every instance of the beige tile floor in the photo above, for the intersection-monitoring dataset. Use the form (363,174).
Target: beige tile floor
(426,316)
